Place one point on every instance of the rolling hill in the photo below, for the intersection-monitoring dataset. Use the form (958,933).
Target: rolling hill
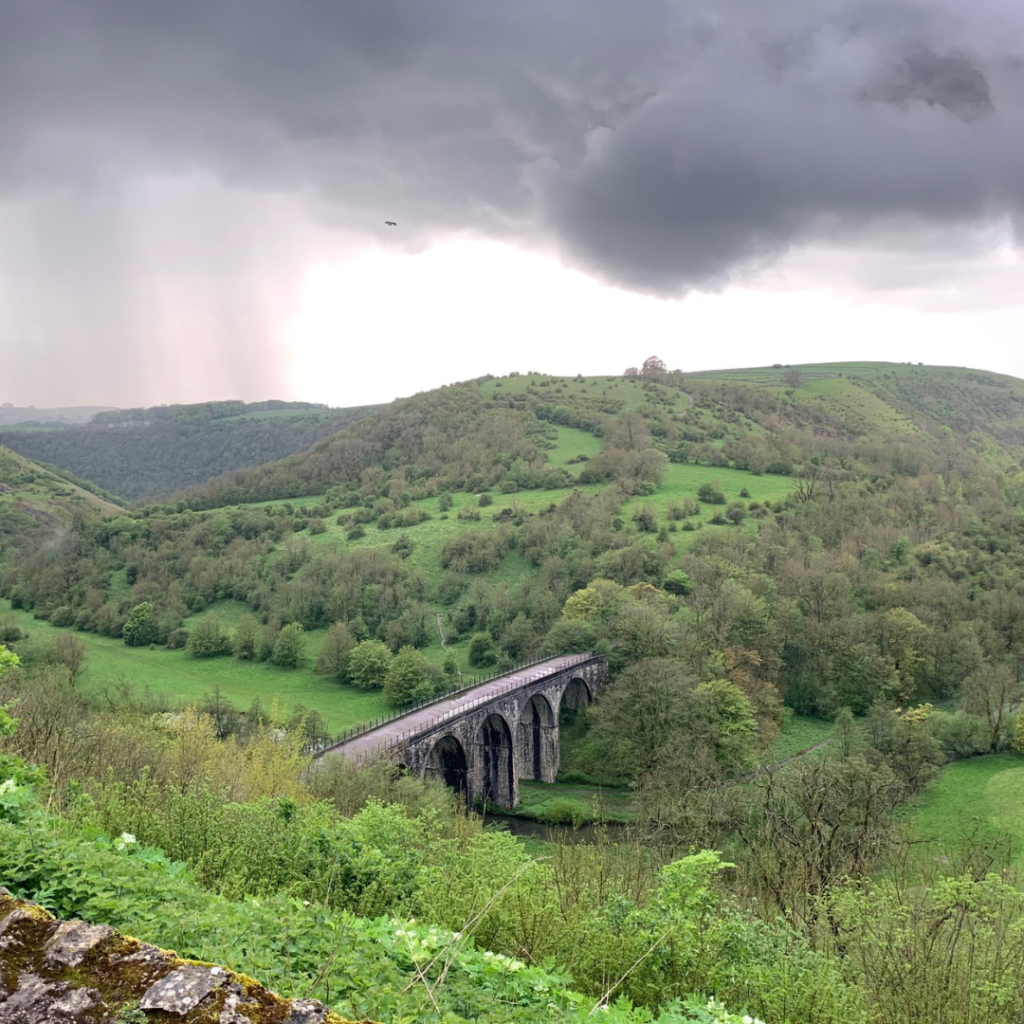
(39,500)
(151,453)
(477,510)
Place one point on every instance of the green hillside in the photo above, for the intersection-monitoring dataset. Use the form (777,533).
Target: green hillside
(35,500)
(475,511)
(152,453)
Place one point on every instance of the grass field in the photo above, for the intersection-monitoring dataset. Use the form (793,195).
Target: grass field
(775,375)
(585,803)
(980,799)
(797,734)
(186,680)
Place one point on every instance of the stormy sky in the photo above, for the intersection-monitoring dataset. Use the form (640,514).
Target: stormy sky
(193,194)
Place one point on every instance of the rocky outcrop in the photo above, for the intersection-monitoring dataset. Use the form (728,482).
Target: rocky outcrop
(58,972)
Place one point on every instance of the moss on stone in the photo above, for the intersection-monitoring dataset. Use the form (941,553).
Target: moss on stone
(120,969)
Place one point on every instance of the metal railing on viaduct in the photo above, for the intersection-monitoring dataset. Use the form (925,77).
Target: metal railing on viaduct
(482,738)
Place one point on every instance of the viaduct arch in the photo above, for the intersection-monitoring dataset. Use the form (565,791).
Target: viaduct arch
(483,740)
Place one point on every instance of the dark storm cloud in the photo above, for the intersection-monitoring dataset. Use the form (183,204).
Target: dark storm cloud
(953,81)
(660,145)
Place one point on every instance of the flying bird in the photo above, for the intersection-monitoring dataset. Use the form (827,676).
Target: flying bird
(391,223)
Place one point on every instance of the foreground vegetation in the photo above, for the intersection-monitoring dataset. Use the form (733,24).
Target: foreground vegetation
(380,896)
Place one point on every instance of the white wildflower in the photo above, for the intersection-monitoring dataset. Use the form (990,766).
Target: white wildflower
(747,1019)
(126,839)
(7,787)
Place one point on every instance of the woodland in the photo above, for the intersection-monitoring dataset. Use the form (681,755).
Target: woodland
(151,453)
(809,583)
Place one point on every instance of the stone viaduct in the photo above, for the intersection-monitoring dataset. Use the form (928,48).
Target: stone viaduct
(482,740)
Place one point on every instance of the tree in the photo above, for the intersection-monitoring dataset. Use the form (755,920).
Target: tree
(643,715)
(653,367)
(903,638)
(289,646)
(409,679)
(570,636)
(70,653)
(993,693)
(334,652)
(140,628)
(368,664)
(677,582)
(728,721)
(207,639)
(814,824)
(8,660)
(793,377)
(735,514)
(481,650)
(711,493)
(599,602)
(247,638)
(450,670)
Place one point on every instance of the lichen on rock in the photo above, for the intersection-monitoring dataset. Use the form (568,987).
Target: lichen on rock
(54,972)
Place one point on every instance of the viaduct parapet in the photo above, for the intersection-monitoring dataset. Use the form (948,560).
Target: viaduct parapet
(483,740)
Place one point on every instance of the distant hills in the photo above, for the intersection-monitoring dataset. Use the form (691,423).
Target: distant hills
(150,453)
(458,437)
(11,414)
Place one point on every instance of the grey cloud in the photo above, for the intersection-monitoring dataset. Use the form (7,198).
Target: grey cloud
(657,144)
(953,81)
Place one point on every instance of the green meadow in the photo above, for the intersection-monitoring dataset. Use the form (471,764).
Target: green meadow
(979,801)
(798,733)
(561,803)
(186,680)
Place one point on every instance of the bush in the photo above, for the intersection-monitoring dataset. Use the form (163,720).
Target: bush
(484,500)
(9,631)
(711,494)
(177,639)
(677,582)
(403,547)
(208,640)
(289,646)
(63,617)
(140,629)
(562,811)
(317,526)
(736,514)
(368,664)
(481,651)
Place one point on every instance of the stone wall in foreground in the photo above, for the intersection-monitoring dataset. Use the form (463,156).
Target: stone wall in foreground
(58,972)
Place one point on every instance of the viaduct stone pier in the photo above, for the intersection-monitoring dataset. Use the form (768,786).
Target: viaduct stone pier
(482,740)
